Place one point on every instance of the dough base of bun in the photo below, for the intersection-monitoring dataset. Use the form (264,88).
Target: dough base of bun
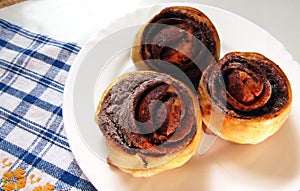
(172,161)
(141,165)
(241,130)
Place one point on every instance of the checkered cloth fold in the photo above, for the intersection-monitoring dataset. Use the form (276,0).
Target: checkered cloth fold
(33,144)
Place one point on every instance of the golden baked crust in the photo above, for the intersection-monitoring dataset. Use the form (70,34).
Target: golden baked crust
(233,114)
(171,161)
(178,36)
(141,163)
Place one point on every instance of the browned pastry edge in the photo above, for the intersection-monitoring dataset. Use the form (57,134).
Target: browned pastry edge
(238,127)
(5,3)
(197,62)
(142,165)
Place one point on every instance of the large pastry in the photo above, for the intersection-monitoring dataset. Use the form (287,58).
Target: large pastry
(151,122)
(180,40)
(246,98)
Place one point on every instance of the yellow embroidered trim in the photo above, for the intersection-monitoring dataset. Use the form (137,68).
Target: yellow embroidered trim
(47,187)
(32,180)
(5,163)
(16,179)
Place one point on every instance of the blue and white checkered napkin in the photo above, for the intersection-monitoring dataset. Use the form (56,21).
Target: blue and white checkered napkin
(34,150)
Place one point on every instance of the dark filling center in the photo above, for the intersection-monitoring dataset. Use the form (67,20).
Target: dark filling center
(178,38)
(248,88)
(145,114)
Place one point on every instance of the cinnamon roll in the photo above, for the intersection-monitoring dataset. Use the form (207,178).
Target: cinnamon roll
(246,92)
(179,36)
(151,122)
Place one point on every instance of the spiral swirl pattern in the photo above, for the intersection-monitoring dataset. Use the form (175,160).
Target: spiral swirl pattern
(183,37)
(149,113)
(247,85)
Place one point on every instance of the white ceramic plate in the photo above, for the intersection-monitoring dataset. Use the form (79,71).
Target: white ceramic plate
(271,165)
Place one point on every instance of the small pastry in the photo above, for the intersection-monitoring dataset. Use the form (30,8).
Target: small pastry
(247,93)
(178,36)
(151,122)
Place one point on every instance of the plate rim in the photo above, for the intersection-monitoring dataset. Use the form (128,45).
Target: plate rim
(69,85)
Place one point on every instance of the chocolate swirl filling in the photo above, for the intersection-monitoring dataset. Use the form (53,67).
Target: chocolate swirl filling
(183,37)
(148,113)
(247,85)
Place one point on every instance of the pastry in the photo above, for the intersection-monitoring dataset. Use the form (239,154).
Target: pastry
(247,93)
(151,122)
(180,40)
